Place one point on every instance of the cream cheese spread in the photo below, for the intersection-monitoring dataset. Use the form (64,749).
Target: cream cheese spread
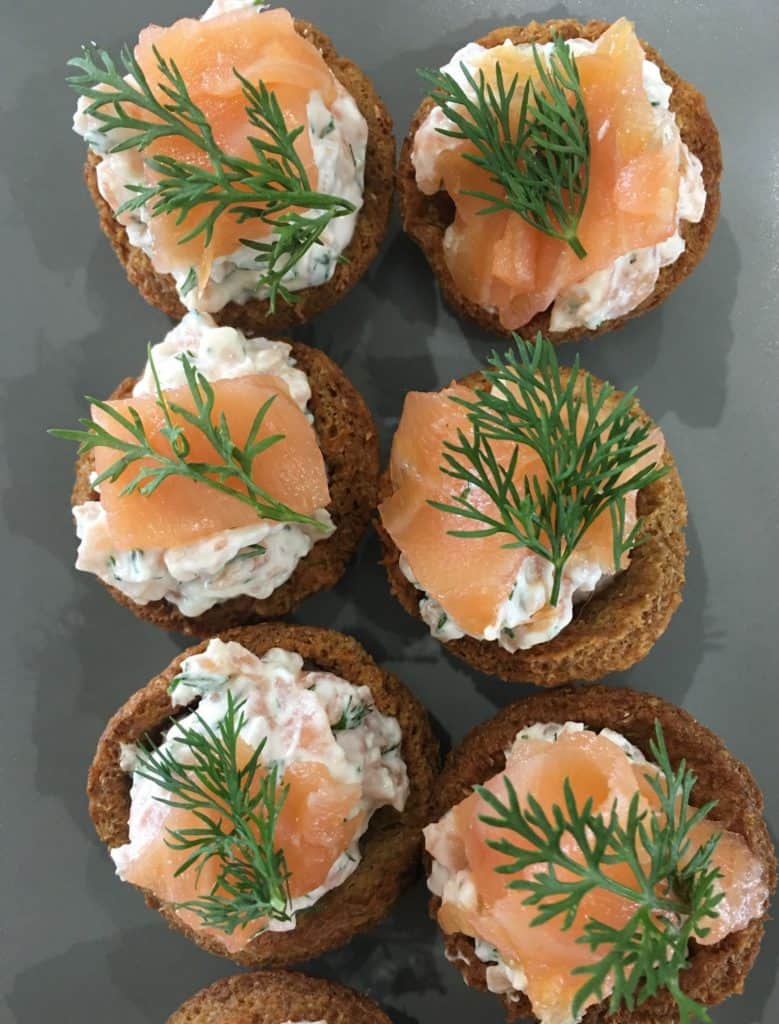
(251,560)
(343,731)
(619,288)
(339,139)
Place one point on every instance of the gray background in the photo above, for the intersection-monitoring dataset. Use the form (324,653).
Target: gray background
(76,944)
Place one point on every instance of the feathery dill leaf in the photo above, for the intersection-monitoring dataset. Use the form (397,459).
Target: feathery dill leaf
(536,149)
(587,466)
(272,186)
(232,475)
(674,894)
(237,808)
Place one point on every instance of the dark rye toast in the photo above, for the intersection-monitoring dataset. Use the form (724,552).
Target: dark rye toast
(391,846)
(716,971)
(255,317)
(426,218)
(611,630)
(275,997)
(347,437)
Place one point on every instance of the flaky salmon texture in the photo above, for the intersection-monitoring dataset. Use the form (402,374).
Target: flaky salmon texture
(641,177)
(337,757)
(481,586)
(475,901)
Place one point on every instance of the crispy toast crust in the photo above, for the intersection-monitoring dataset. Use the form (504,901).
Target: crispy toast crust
(426,218)
(717,971)
(347,437)
(391,846)
(255,316)
(611,630)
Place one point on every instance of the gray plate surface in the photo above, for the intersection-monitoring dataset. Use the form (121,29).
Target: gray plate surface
(78,945)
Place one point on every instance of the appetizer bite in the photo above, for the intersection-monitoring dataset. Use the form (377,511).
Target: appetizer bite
(599,856)
(231,480)
(239,165)
(560,178)
(533,518)
(278,997)
(267,792)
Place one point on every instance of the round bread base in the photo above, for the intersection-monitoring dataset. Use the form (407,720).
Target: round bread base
(391,846)
(715,972)
(275,997)
(255,316)
(347,437)
(426,218)
(610,631)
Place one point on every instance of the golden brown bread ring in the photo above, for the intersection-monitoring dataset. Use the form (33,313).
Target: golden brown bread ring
(391,846)
(347,437)
(255,316)
(611,630)
(274,997)
(717,971)
(426,218)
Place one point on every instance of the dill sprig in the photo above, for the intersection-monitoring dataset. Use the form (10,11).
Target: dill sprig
(273,186)
(231,475)
(587,465)
(674,892)
(535,149)
(238,809)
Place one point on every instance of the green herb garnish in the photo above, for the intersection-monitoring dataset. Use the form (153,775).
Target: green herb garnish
(674,891)
(273,186)
(537,151)
(351,716)
(237,808)
(231,475)
(588,466)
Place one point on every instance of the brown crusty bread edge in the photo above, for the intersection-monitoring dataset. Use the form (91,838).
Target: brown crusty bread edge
(425,218)
(255,316)
(717,971)
(391,846)
(613,629)
(275,997)
(349,443)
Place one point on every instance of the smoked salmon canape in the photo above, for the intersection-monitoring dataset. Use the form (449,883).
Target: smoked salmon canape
(560,177)
(240,166)
(234,478)
(278,997)
(599,856)
(267,792)
(533,517)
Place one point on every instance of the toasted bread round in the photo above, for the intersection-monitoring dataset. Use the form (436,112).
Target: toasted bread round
(609,631)
(347,437)
(426,218)
(391,846)
(717,971)
(256,316)
(275,997)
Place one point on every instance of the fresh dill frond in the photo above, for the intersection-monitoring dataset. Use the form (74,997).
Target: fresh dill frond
(535,149)
(232,475)
(352,715)
(673,892)
(587,464)
(274,186)
(237,807)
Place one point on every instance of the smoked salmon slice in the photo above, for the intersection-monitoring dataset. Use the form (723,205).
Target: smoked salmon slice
(469,577)
(500,261)
(182,510)
(598,769)
(263,46)
(315,826)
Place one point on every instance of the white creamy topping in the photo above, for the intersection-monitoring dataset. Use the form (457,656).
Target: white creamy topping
(339,139)
(619,288)
(249,560)
(344,731)
(457,887)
